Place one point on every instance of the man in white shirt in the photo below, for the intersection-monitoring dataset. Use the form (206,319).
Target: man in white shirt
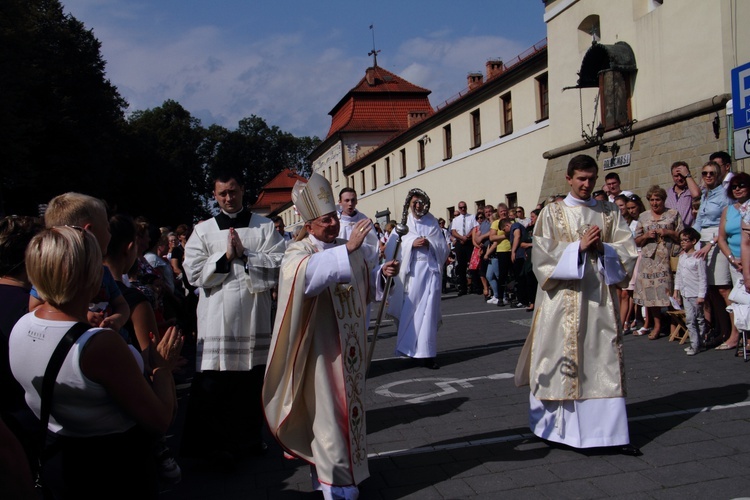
(461,228)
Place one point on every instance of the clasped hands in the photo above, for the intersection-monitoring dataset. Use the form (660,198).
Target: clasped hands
(592,240)
(235,248)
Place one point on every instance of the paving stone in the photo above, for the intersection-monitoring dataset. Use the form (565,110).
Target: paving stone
(624,483)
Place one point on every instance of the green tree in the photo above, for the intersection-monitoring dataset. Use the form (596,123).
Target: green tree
(166,176)
(260,152)
(60,118)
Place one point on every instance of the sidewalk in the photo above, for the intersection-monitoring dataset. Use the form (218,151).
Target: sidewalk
(462,431)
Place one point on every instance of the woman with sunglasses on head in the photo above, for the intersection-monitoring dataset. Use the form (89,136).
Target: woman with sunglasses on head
(730,235)
(713,202)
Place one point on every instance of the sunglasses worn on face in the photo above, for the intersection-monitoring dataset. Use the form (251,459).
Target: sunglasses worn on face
(706,174)
(740,185)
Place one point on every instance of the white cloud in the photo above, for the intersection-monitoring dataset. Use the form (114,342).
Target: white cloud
(291,79)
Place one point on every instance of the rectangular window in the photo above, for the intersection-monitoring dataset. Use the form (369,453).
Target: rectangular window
(362,176)
(543,90)
(476,129)
(387,170)
(507,114)
(374,177)
(421,158)
(511,199)
(337,171)
(402,154)
(447,143)
(351,183)
(330,176)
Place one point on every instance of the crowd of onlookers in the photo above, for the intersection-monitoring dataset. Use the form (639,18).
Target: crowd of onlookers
(126,276)
(110,304)
(688,239)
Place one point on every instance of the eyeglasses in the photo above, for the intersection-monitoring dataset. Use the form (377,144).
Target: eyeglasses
(707,173)
(740,185)
(480,218)
(462,207)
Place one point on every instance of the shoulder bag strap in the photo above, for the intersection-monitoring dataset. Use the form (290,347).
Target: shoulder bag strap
(53,368)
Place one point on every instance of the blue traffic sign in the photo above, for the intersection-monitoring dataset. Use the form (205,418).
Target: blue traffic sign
(741,96)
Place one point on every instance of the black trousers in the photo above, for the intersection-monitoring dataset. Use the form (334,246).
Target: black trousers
(463,256)
(225,413)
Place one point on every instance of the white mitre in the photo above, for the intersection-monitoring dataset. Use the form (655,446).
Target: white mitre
(313,198)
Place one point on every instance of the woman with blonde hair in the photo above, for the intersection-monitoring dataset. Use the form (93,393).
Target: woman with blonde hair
(104,415)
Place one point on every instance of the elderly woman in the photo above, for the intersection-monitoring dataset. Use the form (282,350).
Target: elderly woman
(656,233)
(730,235)
(103,412)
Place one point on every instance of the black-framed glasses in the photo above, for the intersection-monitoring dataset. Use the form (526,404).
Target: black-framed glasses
(739,185)
(462,207)
(707,173)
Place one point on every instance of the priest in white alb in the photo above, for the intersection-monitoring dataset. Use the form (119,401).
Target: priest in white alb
(415,302)
(573,358)
(314,389)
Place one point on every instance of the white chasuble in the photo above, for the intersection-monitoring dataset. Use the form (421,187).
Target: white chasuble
(315,378)
(574,349)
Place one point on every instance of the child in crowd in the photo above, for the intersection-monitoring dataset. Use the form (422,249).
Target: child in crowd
(690,283)
(108,309)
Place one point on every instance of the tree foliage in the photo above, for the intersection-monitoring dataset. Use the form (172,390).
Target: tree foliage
(59,115)
(62,128)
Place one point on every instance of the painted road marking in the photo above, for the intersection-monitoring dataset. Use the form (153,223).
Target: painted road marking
(445,386)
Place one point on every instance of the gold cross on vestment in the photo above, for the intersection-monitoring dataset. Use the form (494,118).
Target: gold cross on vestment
(323,195)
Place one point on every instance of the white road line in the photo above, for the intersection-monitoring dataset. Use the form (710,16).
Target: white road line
(528,435)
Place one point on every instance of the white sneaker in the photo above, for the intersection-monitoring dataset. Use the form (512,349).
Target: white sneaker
(493,301)
(690,351)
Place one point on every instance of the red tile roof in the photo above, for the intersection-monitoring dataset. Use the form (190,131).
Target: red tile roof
(277,192)
(381,101)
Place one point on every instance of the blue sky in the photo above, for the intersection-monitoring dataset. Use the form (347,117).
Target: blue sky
(290,61)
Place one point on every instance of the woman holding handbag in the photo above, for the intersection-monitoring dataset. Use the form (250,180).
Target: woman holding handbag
(103,415)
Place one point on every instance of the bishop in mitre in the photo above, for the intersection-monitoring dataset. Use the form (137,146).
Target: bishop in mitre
(314,389)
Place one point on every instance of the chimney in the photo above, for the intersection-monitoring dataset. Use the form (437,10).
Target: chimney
(415,117)
(475,80)
(370,76)
(494,67)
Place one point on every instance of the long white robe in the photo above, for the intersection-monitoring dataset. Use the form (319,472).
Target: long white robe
(370,246)
(234,308)
(315,377)
(415,302)
(573,356)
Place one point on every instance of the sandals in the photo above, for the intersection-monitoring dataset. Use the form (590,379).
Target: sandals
(725,347)
(641,331)
(654,335)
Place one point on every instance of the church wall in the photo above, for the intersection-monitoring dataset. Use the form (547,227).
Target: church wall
(680,49)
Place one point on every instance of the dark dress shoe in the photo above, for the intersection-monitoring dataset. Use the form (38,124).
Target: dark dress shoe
(431,364)
(629,450)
